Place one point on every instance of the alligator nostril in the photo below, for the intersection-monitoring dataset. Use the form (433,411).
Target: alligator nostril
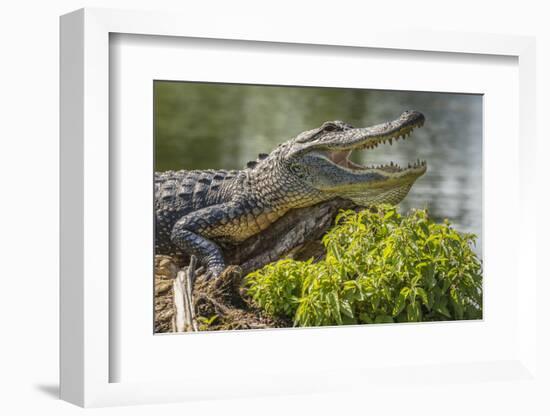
(413,116)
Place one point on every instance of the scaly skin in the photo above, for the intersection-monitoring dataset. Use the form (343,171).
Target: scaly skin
(196,209)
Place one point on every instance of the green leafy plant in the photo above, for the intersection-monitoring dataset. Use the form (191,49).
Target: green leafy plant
(205,322)
(380,267)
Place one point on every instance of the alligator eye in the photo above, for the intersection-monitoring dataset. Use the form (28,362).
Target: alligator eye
(297,170)
(329,127)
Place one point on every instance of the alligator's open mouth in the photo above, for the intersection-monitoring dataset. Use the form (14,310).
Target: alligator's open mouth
(371,138)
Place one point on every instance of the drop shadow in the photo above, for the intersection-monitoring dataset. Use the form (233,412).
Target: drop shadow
(51,390)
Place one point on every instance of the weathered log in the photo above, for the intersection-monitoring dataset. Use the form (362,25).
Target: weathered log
(296,235)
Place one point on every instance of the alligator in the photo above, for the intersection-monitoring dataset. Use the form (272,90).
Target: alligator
(198,210)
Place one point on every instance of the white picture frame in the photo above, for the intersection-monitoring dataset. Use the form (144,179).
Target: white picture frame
(86,353)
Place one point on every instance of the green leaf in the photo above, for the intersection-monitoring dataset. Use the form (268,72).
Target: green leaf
(346,320)
(400,304)
(414,313)
(456,303)
(333,300)
(387,251)
(424,229)
(383,319)
(365,318)
(429,277)
(423,295)
(345,307)
(442,309)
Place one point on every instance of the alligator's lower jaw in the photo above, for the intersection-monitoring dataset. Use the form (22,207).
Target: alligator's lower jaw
(341,158)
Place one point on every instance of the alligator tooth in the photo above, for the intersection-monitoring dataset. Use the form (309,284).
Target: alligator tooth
(391,142)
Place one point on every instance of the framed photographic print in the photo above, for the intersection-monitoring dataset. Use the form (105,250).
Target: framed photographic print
(273,216)
(279,212)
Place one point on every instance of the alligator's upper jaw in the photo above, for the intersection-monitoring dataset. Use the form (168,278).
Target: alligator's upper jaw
(370,137)
(339,149)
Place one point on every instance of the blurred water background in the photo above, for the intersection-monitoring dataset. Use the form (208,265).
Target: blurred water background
(209,126)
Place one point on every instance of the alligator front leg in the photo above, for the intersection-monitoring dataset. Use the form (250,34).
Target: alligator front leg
(192,234)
